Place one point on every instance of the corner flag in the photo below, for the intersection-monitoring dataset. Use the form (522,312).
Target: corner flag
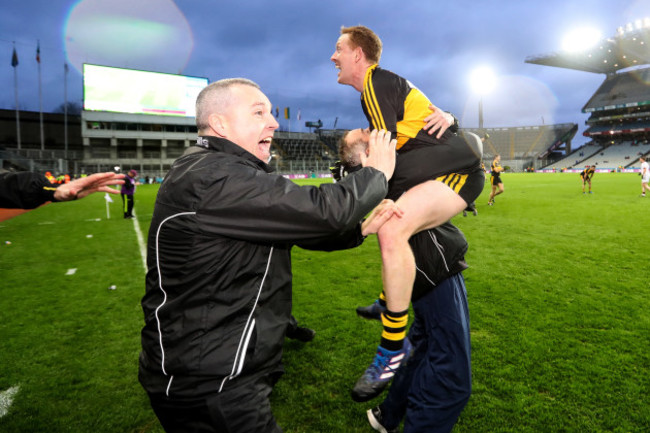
(108,200)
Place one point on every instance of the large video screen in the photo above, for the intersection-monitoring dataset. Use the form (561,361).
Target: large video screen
(141,92)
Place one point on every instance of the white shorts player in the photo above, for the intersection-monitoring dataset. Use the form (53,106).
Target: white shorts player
(645,176)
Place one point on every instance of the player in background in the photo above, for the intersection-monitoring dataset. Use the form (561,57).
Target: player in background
(586,176)
(495,179)
(472,206)
(645,176)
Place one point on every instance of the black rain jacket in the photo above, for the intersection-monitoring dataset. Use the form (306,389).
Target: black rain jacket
(218,286)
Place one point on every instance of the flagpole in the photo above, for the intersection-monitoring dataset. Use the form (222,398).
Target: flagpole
(17,110)
(14,63)
(288,116)
(65,108)
(40,93)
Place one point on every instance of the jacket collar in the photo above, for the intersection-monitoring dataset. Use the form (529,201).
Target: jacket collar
(222,145)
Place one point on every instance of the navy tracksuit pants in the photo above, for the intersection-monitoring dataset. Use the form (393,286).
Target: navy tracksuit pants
(432,389)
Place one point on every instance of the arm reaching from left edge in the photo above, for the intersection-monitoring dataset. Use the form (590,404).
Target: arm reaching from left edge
(80,188)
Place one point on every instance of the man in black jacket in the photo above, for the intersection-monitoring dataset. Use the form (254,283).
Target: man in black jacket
(218,296)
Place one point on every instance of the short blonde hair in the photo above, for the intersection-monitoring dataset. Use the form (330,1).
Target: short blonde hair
(361,36)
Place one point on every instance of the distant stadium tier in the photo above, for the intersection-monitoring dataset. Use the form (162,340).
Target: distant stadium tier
(617,129)
(620,91)
(140,92)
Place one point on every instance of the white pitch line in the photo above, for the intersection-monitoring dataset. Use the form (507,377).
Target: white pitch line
(6,398)
(141,244)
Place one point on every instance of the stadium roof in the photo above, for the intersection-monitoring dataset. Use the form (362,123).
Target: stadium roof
(629,47)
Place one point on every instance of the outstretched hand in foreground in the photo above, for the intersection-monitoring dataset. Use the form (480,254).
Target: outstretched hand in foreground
(80,188)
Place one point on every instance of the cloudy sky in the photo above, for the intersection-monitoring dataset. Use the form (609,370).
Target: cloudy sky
(285,46)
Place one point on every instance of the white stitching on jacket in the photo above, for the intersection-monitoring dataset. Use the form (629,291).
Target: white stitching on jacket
(238,364)
(162,349)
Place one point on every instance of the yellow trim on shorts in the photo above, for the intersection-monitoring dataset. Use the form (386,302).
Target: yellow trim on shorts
(454,181)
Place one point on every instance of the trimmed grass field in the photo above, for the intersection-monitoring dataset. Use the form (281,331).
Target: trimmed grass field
(559,296)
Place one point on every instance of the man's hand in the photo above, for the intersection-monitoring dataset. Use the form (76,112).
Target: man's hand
(80,188)
(379,215)
(438,120)
(380,153)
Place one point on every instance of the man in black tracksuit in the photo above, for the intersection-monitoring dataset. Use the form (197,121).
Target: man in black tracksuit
(218,286)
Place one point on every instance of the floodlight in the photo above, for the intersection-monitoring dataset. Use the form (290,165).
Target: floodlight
(483,80)
(581,39)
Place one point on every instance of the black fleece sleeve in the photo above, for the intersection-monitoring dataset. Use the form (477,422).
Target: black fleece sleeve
(24,190)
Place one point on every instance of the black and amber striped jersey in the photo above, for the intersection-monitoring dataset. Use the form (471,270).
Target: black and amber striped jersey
(496,168)
(587,173)
(392,103)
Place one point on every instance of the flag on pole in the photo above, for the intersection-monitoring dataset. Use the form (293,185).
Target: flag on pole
(38,52)
(299,116)
(108,198)
(14,59)
(287,114)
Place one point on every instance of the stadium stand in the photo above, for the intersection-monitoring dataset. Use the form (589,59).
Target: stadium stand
(54,156)
(619,122)
(299,145)
(525,146)
(613,156)
(101,141)
(620,119)
(575,158)
(620,91)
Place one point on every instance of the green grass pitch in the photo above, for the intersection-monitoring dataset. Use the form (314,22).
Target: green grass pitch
(559,296)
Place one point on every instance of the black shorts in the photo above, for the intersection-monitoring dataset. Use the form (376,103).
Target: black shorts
(455,161)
